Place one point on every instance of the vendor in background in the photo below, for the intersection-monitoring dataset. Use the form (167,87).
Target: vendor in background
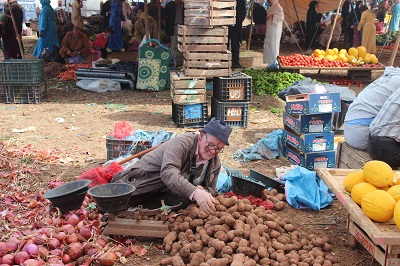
(395,20)
(235,32)
(348,32)
(368,29)
(324,36)
(259,14)
(105,13)
(312,23)
(273,33)
(75,46)
(382,7)
(384,141)
(61,15)
(116,42)
(355,20)
(366,107)
(100,42)
(140,31)
(76,15)
(18,15)
(7,34)
(181,171)
(173,15)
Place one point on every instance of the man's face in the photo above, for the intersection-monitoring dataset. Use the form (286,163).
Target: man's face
(59,3)
(209,146)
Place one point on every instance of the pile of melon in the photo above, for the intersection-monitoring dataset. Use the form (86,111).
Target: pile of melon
(376,188)
(356,56)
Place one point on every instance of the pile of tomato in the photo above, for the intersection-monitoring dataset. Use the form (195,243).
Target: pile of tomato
(309,61)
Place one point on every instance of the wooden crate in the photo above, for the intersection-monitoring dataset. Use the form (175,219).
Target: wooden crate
(207,64)
(209,13)
(187,89)
(381,240)
(202,39)
(349,157)
(362,75)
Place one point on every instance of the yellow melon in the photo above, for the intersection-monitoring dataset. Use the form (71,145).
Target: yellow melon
(396,214)
(367,59)
(374,60)
(378,205)
(353,179)
(353,52)
(329,52)
(329,57)
(317,52)
(378,173)
(335,51)
(362,51)
(343,51)
(350,58)
(395,192)
(396,178)
(359,190)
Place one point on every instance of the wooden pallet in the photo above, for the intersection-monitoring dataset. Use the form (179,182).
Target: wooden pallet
(202,39)
(381,240)
(209,13)
(207,64)
(349,157)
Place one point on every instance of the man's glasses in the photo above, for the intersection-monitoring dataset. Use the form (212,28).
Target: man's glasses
(213,148)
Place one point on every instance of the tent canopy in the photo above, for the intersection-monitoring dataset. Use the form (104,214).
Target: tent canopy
(301,6)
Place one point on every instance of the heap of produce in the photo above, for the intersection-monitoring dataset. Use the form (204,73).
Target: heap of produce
(376,188)
(265,82)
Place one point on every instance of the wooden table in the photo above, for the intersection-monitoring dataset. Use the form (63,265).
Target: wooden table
(382,240)
(354,73)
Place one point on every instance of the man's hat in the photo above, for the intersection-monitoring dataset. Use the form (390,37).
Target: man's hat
(218,129)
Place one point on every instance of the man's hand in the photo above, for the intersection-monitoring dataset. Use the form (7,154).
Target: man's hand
(205,200)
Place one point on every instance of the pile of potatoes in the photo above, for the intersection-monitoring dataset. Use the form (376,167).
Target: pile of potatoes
(241,234)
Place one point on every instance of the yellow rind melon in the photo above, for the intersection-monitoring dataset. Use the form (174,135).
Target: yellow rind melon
(395,192)
(359,190)
(352,179)
(378,173)
(378,205)
(396,214)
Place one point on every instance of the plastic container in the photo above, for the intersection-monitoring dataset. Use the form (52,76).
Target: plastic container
(235,114)
(24,93)
(190,115)
(22,71)
(237,87)
(112,197)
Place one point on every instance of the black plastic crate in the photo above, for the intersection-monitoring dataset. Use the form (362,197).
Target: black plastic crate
(120,147)
(236,87)
(22,71)
(24,93)
(190,115)
(235,114)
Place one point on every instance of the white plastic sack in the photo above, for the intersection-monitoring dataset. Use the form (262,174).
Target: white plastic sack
(99,85)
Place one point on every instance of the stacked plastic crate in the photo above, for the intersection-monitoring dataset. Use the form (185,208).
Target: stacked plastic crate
(308,139)
(231,99)
(23,81)
(189,100)
(203,38)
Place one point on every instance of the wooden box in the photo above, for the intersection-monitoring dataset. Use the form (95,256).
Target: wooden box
(210,13)
(362,75)
(207,64)
(202,39)
(381,240)
(349,157)
(187,89)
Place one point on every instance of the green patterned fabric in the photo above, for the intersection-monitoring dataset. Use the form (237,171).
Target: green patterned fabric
(153,72)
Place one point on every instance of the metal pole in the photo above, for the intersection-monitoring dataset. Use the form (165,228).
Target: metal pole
(17,34)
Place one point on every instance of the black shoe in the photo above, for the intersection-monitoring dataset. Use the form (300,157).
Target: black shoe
(237,66)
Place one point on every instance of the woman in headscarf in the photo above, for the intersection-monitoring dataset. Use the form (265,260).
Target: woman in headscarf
(7,34)
(116,41)
(355,19)
(394,21)
(273,32)
(368,29)
(311,24)
(76,15)
(47,29)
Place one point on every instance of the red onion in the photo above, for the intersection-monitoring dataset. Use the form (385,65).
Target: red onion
(91,252)
(21,256)
(57,252)
(83,212)
(68,228)
(54,261)
(75,250)
(107,259)
(56,183)
(31,262)
(101,242)
(66,258)
(32,249)
(12,246)
(43,252)
(53,243)
(72,238)
(73,219)
(40,239)
(60,236)
(8,259)
(3,249)
(127,252)
(86,232)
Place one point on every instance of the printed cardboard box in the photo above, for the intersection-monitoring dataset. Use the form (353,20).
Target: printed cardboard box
(313,103)
(303,124)
(306,143)
(311,161)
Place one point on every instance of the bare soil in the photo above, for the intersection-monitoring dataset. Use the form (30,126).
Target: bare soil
(80,140)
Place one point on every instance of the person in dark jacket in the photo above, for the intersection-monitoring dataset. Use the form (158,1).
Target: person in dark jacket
(181,171)
(235,32)
(311,24)
(259,14)
(7,34)
(348,32)
(18,15)
(355,18)
(105,14)
(173,15)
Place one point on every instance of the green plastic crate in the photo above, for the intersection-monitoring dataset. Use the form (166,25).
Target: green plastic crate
(22,71)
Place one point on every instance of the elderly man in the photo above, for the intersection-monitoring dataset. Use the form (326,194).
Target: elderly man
(75,46)
(183,170)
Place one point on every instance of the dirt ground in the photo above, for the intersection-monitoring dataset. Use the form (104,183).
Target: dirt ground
(75,123)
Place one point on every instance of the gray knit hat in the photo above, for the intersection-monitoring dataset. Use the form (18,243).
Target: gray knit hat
(218,129)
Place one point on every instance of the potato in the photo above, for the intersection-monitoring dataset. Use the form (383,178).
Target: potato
(250,262)
(221,235)
(184,252)
(246,251)
(196,222)
(196,246)
(331,258)
(198,257)
(264,261)
(262,252)
(233,245)
(278,246)
(232,209)
(227,202)
(202,215)
(218,262)
(228,257)
(274,234)
(272,224)
(238,259)
(318,241)
(283,239)
(229,220)
(319,260)
(280,197)
(220,208)
(227,250)
(244,243)
(327,247)
(289,228)
(217,244)
(211,251)
(254,239)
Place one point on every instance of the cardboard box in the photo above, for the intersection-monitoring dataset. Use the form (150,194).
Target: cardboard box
(313,103)
(311,161)
(306,143)
(303,124)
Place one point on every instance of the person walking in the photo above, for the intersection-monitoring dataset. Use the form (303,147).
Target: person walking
(395,20)
(116,42)
(273,33)
(235,32)
(47,30)
(76,15)
(368,29)
(311,24)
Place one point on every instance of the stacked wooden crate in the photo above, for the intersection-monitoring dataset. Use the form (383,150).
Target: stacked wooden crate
(203,39)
